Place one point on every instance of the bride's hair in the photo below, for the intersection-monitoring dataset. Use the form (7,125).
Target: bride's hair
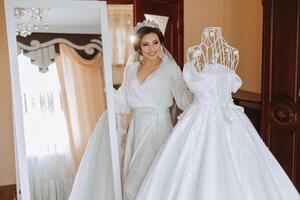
(144,31)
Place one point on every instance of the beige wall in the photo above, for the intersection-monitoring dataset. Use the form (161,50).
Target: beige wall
(7,163)
(197,15)
(242,28)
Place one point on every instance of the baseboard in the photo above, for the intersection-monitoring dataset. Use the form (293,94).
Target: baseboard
(8,192)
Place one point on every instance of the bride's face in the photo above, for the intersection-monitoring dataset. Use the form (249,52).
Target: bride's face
(150,46)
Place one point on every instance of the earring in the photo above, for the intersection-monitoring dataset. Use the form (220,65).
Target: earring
(162,52)
(140,57)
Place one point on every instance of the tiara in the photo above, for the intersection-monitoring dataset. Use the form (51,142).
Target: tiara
(146,22)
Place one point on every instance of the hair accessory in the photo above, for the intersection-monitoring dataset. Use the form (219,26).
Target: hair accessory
(146,22)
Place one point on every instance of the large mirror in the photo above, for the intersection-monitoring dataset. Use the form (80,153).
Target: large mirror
(61,84)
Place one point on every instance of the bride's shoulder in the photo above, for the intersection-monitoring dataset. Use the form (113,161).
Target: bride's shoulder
(133,64)
(172,68)
(170,64)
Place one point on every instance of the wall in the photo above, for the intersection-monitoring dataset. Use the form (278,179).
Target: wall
(7,163)
(242,28)
(197,15)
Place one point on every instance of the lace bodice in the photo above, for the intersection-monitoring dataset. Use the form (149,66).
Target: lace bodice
(213,85)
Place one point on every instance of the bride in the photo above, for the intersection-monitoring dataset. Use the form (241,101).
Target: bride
(152,80)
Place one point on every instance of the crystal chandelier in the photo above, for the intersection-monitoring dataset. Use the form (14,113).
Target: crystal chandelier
(30,19)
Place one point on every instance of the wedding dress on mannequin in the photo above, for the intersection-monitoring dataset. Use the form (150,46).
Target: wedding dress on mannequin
(214,152)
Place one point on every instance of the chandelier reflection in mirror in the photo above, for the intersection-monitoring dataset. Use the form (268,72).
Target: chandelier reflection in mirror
(28,20)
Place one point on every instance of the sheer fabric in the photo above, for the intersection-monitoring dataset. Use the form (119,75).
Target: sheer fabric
(120,20)
(50,160)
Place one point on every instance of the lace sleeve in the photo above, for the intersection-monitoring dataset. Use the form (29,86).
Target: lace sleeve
(236,82)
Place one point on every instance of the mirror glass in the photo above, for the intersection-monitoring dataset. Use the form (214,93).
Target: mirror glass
(59,68)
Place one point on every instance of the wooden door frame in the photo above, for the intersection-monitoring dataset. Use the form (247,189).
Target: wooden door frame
(266,63)
(126,2)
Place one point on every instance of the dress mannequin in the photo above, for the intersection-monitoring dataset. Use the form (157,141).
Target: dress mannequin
(213,49)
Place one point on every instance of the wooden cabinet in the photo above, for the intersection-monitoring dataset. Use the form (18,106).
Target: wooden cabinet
(251,102)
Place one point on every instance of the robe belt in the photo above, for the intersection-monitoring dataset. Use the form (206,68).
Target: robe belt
(159,112)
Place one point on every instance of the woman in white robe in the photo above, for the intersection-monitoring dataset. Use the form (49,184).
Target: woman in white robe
(149,101)
(152,80)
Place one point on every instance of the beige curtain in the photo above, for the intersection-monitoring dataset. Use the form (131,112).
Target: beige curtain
(83,97)
(120,21)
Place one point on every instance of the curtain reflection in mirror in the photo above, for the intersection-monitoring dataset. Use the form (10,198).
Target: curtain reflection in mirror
(61,108)
(51,163)
(82,94)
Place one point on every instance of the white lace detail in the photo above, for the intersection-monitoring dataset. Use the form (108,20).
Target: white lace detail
(213,85)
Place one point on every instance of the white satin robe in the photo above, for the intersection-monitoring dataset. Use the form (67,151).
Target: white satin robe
(151,124)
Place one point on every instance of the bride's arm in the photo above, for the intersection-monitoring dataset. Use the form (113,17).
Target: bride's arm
(183,97)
